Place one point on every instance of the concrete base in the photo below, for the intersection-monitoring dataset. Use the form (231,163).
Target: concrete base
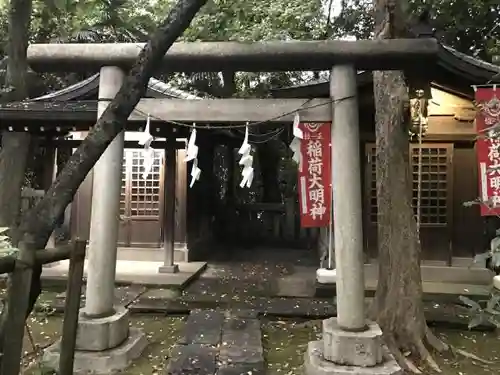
(315,364)
(169,269)
(109,361)
(326,276)
(362,349)
(102,333)
(496,282)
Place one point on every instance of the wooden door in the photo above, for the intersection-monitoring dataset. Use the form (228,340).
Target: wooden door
(436,198)
(141,200)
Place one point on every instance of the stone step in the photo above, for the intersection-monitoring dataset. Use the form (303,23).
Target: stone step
(192,359)
(203,327)
(241,350)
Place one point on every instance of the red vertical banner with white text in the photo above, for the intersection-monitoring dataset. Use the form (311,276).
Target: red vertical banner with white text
(487,148)
(315,175)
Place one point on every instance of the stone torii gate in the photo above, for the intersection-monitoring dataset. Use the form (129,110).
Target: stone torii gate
(104,340)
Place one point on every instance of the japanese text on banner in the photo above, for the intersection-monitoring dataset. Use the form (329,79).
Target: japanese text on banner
(488,152)
(315,175)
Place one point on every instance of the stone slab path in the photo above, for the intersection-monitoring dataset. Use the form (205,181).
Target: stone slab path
(217,342)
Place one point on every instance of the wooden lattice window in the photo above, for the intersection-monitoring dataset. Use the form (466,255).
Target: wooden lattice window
(141,198)
(145,193)
(372,184)
(435,187)
(123,195)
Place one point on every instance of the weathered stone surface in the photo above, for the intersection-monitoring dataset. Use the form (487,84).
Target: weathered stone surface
(193,359)
(203,327)
(315,364)
(102,333)
(242,369)
(295,286)
(123,296)
(242,313)
(241,342)
(104,362)
(352,348)
(164,294)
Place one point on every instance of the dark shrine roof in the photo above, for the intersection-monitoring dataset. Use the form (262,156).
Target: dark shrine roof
(454,70)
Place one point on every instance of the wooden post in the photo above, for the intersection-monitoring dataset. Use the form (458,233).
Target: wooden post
(18,300)
(50,173)
(180,236)
(169,206)
(72,307)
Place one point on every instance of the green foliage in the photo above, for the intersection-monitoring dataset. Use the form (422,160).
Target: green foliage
(492,254)
(485,311)
(6,247)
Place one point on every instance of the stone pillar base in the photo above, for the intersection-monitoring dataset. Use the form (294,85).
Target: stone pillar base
(101,362)
(316,364)
(326,276)
(98,334)
(350,353)
(496,282)
(352,348)
(169,269)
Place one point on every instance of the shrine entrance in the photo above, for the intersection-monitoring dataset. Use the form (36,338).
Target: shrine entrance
(141,200)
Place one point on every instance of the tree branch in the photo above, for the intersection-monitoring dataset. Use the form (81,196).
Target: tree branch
(42,218)
(44,256)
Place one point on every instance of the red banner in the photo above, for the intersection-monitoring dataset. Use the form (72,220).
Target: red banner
(315,189)
(488,152)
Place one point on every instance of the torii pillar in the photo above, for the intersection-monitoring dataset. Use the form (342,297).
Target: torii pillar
(350,344)
(104,344)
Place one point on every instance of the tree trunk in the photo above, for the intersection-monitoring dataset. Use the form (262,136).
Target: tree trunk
(41,220)
(398,304)
(15,146)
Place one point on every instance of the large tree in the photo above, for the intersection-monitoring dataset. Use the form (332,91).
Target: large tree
(398,304)
(40,221)
(15,146)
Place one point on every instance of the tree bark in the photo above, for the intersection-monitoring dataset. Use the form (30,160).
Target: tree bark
(15,146)
(398,304)
(40,221)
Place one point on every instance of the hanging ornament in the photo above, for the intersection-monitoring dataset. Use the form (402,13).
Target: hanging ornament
(298,135)
(192,149)
(195,173)
(145,138)
(192,155)
(148,161)
(246,161)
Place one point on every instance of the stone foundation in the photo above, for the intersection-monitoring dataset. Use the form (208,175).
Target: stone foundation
(108,361)
(315,364)
(103,345)
(351,353)
(102,333)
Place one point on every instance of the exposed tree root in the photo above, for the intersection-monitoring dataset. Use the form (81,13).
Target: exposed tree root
(470,355)
(411,366)
(437,344)
(426,356)
(420,351)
